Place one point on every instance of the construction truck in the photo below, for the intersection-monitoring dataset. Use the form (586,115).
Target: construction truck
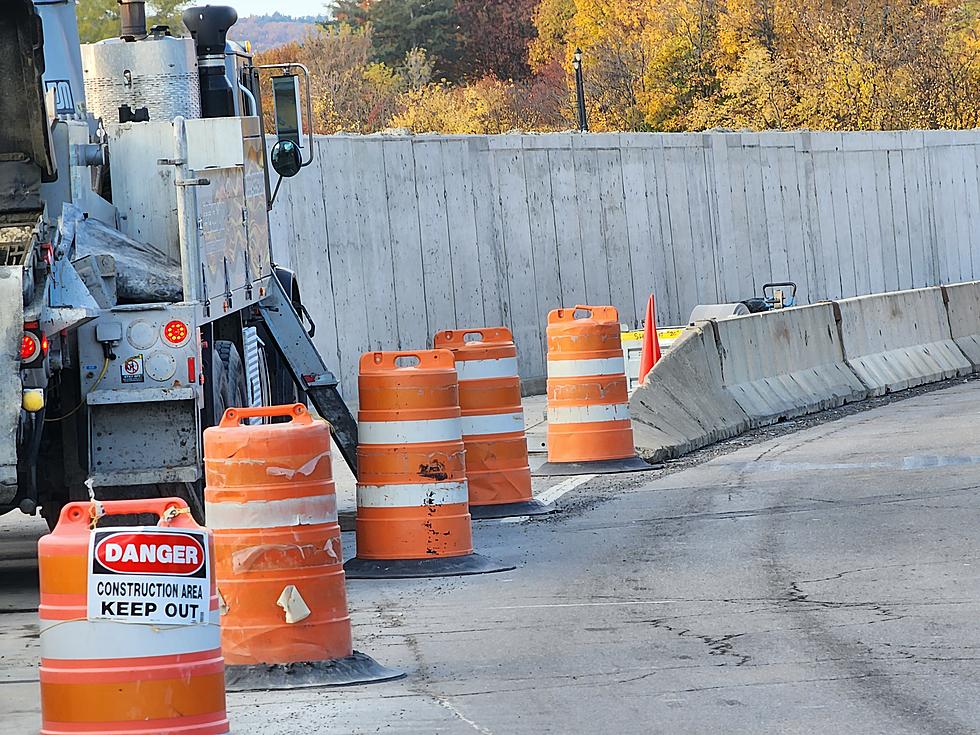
(139,296)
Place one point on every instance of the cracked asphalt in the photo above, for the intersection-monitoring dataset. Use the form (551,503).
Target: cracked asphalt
(821,581)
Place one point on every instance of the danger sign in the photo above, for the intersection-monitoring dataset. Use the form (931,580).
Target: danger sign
(149,575)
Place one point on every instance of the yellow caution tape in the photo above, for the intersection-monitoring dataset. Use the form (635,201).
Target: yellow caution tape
(637,334)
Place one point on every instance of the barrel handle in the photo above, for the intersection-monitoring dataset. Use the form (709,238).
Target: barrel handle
(597,313)
(381,362)
(296,411)
(457,337)
(172,511)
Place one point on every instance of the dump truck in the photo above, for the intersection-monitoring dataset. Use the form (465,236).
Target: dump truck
(139,294)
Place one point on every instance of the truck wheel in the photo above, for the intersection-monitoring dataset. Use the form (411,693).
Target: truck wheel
(228,378)
(282,387)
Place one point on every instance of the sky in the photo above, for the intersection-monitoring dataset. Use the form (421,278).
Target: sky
(286,7)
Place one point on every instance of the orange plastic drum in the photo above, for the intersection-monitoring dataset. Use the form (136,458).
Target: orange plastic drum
(272,506)
(106,676)
(412,500)
(492,421)
(271,503)
(588,405)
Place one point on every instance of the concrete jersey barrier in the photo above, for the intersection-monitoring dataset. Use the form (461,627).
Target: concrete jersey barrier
(724,377)
(683,406)
(963,307)
(786,363)
(899,340)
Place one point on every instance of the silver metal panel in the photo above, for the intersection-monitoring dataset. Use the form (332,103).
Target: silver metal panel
(142,190)
(144,443)
(157,73)
(223,238)
(11,330)
(225,207)
(214,143)
(145,361)
(259,248)
(158,395)
(62,63)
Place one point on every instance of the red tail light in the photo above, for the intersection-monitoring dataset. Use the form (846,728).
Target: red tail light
(175,332)
(30,347)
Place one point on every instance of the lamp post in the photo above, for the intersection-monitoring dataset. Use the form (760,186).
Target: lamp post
(583,124)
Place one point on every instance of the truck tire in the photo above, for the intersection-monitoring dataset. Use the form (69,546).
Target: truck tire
(228,378)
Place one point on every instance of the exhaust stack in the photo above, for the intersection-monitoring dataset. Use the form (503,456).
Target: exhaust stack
(132,15)
(209,26)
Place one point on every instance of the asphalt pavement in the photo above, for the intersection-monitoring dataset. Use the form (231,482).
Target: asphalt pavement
(823,581)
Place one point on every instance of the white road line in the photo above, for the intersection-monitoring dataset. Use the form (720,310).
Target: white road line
(552,494)
(460,716)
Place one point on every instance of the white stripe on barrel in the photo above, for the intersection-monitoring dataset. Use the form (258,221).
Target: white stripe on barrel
(409,432)
(500,367)
(496,423)
(583,368)
(302,511)
(588,414)
(78,640)
(412,495)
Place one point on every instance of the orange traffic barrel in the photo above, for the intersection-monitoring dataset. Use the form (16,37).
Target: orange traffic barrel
(589,427)
(130,638)
(271,503)
(497,470)
(413,516)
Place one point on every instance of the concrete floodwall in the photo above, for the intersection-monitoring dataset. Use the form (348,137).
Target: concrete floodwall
(397,237)
(762,368)
(786,363)
(899,340)
(963,307)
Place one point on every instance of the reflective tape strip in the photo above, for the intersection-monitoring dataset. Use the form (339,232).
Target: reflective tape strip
(580,368)
(501,367)
(501,423)
(409,432)
(272,513)
(588,414)
(412,496)
(78,640)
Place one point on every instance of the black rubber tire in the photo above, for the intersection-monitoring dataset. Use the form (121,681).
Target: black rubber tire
(282,387)
(228,381)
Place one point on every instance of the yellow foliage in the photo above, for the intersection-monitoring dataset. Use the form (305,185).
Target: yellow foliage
(835,64)
(481,107)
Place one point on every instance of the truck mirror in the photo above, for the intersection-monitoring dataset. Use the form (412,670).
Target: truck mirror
(286,159)
(286,97)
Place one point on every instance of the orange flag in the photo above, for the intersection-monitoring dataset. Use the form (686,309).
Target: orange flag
(651,345)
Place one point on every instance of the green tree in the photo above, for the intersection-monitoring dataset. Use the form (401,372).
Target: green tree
(99,19)
(398,26)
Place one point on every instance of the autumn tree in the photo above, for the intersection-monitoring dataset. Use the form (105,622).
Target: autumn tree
(552,21)
(351,92)
(494,37)
(398,26)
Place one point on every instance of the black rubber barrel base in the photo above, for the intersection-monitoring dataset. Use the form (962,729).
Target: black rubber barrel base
(531,507)
(602,467)
(358,668)
(436,566)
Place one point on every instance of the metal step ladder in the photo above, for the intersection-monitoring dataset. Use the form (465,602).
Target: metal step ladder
(308,368)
